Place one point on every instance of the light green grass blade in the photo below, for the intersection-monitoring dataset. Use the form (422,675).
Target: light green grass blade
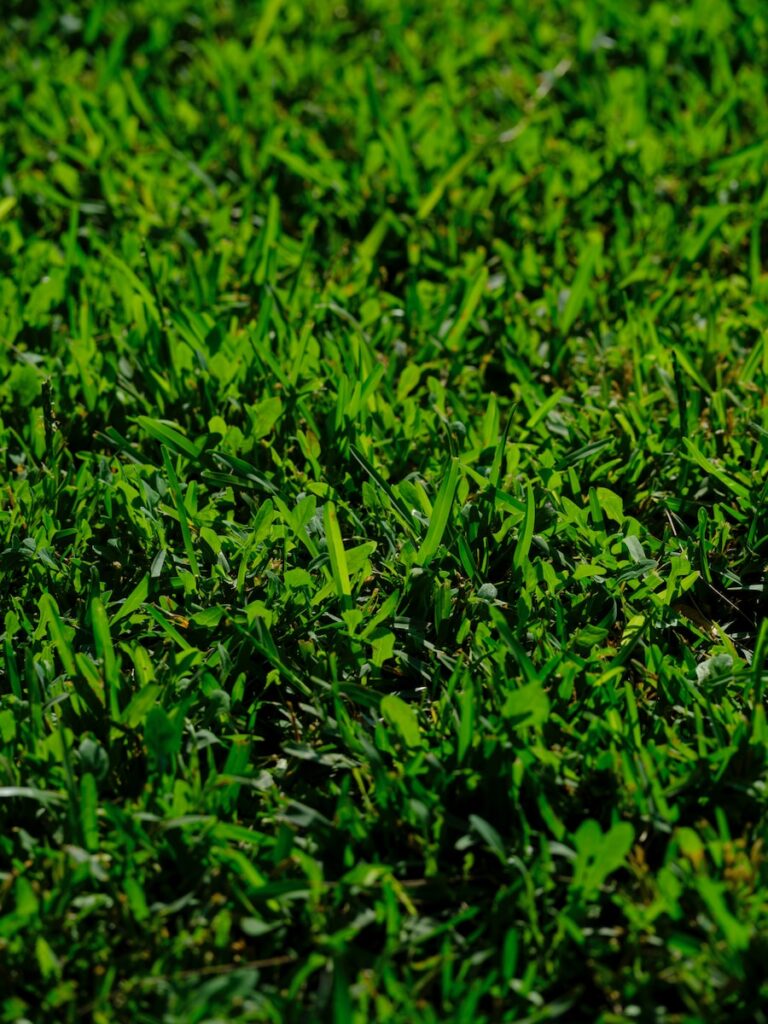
(58,633)
(441,511)
(134,601)
(336,553)
(169,437)
(403,718)
(106,651)
(523,546)
(469,304)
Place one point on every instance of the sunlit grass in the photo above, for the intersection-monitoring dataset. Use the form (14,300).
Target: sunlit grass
(384,520)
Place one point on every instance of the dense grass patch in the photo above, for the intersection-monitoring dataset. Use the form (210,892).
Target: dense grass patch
(384,520)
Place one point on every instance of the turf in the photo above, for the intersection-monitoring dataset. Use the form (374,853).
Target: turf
(384,518)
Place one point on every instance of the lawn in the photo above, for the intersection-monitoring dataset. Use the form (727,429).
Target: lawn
(384,528)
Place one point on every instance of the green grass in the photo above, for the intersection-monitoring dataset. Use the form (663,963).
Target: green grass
(384,517)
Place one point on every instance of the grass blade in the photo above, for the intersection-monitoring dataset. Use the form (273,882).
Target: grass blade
(336,553)
(523,546)
(440,513)
(178,501)
(469,304)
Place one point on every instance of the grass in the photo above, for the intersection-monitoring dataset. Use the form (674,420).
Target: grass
(384,519)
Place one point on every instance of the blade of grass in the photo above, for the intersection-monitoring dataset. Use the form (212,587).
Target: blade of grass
(106,651)
(58,633)
(580,287)
(336,552)
(469,304)
(523,546)
(178,500)
(168,436)
(440,513)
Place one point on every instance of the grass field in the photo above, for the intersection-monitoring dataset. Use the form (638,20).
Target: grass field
(384,517)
